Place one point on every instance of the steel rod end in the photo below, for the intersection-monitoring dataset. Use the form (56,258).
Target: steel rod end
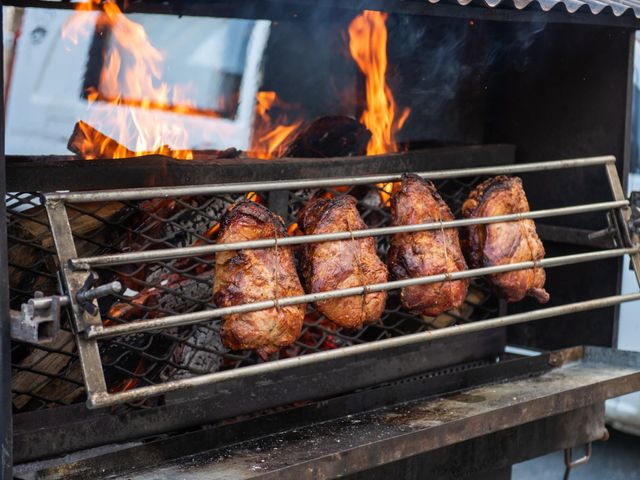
(93,331)
(97,400)
(116,287)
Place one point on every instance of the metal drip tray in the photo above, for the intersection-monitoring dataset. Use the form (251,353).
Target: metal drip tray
(372,428)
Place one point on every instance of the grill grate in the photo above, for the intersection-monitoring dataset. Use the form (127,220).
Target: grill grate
(173,287)
(42,375)
(162,334)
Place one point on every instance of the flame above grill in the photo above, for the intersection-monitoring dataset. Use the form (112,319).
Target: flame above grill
(272,135)
(132,67)
(131,102)
(368,46)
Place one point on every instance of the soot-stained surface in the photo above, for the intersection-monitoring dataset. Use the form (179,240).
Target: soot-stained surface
(385,435)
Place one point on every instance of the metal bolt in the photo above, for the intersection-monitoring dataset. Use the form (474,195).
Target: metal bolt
(98,292)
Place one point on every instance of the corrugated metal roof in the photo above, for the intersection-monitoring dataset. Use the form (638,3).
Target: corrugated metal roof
(618,8)
(628,11)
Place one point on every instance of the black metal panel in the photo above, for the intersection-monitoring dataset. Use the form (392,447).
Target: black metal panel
(565,97)
(66,433)
(49,173)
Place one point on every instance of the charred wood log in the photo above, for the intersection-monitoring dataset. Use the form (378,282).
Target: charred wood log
(333,136)
(88,142)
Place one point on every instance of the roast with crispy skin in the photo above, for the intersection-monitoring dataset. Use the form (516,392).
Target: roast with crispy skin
(507,242)
(246,276)
(431,252)
(341,264)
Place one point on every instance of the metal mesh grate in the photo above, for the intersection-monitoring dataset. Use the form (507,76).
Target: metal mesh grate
(46,376)
(42,376)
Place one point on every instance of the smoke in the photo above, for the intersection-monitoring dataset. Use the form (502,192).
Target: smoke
(438,67)
(515,45)
(442,68)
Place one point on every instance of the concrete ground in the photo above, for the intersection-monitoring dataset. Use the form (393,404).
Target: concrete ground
(616,459)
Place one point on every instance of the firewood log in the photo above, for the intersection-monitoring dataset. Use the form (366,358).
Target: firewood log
(47,363)
(333,136)
(90,143)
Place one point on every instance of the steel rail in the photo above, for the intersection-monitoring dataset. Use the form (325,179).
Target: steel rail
(105,399)
(99,332)
(162,192)
(84,263)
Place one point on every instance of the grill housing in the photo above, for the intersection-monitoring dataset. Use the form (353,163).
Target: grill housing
(521,107)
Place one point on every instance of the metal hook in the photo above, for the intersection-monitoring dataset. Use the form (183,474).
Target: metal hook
(570,463)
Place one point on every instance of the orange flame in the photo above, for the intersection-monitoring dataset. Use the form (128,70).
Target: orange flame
(294,230)
(271,137)
(132,382)
(368,46)
(132,68)
(254,197)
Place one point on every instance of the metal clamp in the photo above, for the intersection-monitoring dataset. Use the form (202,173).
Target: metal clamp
(38,320)
(570,463)
(614,231)
(622,232)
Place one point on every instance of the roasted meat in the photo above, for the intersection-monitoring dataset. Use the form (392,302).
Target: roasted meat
(504,243)
(341,264)
(425,253)
(246,276)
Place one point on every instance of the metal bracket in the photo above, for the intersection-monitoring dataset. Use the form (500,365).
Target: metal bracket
(38,320)
(88,293)
(626,218)
(612,232)
(623,231)
(570,463)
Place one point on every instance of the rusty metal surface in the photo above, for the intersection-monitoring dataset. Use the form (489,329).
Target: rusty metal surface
(356,442)
(353,443)
(452,364)
(484,457)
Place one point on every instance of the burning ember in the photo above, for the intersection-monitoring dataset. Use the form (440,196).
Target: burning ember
(368,46)
(132,67)
(271,136)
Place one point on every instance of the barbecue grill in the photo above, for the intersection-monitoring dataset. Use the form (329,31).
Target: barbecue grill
(117,367)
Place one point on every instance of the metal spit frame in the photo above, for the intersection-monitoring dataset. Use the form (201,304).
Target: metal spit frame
(75,271)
